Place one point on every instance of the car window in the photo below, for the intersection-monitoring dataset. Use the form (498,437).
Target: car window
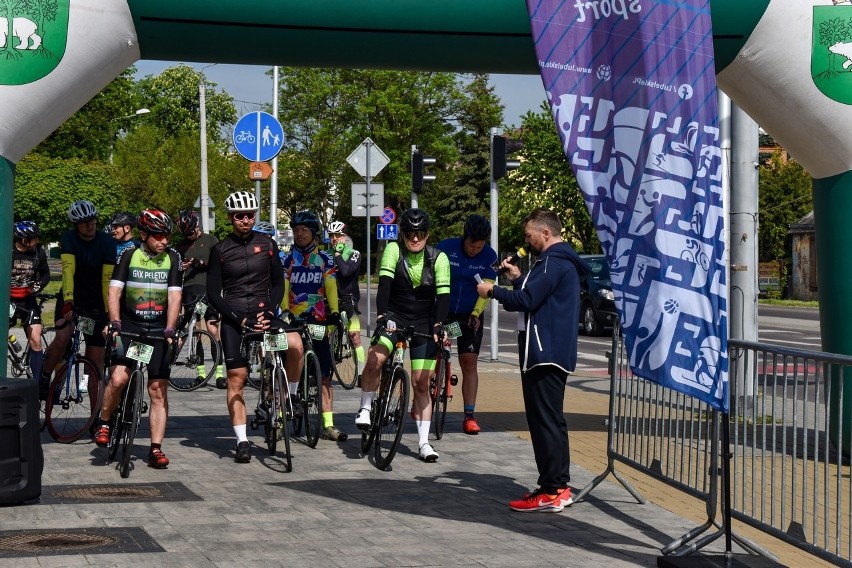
(598,269)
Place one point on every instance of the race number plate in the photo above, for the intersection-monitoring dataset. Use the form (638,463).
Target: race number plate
(453,330)
(275,341)
(316,331)
(87,325)
(200,308)
(11,310)
(140,352)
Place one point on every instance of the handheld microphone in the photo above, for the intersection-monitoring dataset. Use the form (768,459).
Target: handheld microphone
(513,259)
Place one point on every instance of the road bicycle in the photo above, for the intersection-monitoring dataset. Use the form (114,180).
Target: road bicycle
(442,382)
(128,414)
(308,404)
(389,408)
(344,360)
(273,411)
(197,353)
(73,400)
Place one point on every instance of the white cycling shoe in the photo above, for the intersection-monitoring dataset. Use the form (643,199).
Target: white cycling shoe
(362,419)
(428,453)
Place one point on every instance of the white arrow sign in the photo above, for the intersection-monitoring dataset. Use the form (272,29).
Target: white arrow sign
(368,149)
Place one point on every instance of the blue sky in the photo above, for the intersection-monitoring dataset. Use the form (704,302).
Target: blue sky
(250,85)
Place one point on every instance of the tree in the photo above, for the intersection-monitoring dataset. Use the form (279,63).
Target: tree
(785,196)
(544,179)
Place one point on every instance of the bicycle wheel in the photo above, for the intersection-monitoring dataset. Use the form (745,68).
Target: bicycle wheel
(312,399)
(368,435)
(282,422)
(439,394)
(272,407)
(253,378)
(47,335)
(392,413)
(73,401)
(117,426)
(343,359)
(131,416)
(197,358)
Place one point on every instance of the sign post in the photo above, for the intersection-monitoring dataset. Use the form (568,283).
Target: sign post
(368,160)
(258,137)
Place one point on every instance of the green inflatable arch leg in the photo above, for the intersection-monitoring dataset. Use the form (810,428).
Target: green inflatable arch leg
(7,193)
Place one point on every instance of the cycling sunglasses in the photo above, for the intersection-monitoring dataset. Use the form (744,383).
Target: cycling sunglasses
(243,215)
(419,235)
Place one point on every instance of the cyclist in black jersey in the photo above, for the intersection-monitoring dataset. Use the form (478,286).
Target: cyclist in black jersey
(348,262)
(414,290)
(30,274)
(245,283)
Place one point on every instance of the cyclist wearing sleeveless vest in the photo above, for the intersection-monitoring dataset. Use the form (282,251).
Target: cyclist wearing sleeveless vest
(30,274)
(310,292)
(469,256)
(245,283)
(144,296)
(414,290)
(88,258)
(348,261)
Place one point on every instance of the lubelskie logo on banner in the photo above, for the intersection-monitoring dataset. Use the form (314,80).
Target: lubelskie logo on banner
(831,53)
(33,35)
(632,88)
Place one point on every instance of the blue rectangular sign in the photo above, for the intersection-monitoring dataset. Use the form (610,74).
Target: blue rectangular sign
(387,232)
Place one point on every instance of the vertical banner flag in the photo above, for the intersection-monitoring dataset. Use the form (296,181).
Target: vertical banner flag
(632,88)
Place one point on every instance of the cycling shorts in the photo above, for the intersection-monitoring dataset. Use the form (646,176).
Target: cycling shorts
(421,350)
(159,366)
(26,311)
(470,341)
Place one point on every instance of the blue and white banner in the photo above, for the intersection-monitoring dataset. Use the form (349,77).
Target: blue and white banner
(632,88)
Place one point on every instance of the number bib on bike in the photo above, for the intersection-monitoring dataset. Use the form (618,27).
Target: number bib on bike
(453,330)
(86,325)
(140,352)
(275,341)
(200,308)
(316,331)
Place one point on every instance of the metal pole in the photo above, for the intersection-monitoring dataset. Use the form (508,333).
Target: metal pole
(413,193)
(205,197)
(495,244)
(273,187)
(368,178)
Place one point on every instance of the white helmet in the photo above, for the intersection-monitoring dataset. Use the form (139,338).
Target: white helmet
(241,201)
(337,227)
(81,211)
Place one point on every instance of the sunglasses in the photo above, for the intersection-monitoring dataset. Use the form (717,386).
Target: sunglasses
(419,235)
(243,216)
(158,237)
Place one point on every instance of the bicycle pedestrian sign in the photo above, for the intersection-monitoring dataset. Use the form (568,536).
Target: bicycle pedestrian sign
(388,216)
(387,232)
(258,136)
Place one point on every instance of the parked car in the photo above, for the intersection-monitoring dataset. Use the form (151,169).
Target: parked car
(597,302)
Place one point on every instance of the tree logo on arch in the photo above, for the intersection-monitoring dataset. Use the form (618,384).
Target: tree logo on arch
(831,52)
(33,36)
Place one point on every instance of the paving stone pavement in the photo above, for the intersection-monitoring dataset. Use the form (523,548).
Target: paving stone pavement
(335,508)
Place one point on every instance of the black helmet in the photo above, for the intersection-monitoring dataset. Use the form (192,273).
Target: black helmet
(155,222)
(26,230)
(308,219)
(187,221)
(123,218)
(477,228)
(413,220)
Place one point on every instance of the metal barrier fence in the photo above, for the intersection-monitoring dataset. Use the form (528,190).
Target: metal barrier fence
(786,477)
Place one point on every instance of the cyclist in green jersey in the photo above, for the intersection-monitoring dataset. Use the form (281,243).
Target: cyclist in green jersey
(414,290)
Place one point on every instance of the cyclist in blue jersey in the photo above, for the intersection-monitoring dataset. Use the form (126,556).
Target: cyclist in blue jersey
(88,257)
(469,256)
(121,228)
(414,290)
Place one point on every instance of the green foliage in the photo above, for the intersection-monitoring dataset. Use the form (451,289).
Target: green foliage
(786,195)
(46,187)
(544,179)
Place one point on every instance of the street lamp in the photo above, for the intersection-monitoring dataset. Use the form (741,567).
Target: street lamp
(140,112)
(202,111)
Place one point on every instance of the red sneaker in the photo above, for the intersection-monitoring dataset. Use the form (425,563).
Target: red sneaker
(102,436)
(157,459)
(538,500)
(469,426)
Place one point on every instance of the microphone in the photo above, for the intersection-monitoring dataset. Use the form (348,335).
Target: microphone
(512,259)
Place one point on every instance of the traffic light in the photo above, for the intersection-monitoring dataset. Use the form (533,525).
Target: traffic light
(501,149)
(418,176)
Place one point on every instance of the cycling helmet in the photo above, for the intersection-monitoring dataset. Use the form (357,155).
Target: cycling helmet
(241,201)
(123,218)
(82,210)
(337,227)
(264,227)
(308,219)
(187,221)
(413,220)
(154,222)
(26,230)
(477,228)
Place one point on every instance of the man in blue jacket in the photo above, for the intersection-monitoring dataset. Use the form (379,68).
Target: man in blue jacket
(549,298)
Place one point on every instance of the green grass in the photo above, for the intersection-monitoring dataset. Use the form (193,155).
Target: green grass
(791,303)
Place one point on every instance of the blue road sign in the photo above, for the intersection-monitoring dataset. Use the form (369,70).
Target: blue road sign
(387,232)
(258,136)
(388,216)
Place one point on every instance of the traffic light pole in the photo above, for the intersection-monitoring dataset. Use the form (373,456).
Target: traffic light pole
(495,244)
(414,199)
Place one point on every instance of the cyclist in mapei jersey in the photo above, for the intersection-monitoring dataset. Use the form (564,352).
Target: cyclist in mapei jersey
(469,256)
(310,292)
(245,283)
(414,290)
(30,274)
(144,296)
(88,258)
(348,262)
